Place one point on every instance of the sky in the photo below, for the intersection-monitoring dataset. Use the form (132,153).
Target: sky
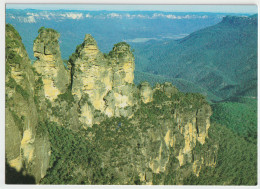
(169,8)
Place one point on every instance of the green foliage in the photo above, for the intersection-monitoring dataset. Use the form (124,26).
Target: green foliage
(237,141)
(18,121)
(7,69)
(106,55)
(24,93)
(236,160)
(11,83)
(69,151)
(157,178)
(75,55)
(41,29)
(159,97)
(67,96)
(240,117)
(49,30)
(121,44)
(221,59)
(41,129)
(48,103)
(113,54)
(12,41)
(11,29)
(18,88)
(38,87)
(183,85)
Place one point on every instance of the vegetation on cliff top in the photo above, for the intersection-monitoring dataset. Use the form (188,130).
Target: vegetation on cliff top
(111,152)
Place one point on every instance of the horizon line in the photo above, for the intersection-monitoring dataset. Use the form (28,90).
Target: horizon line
(133,10)
(246,9)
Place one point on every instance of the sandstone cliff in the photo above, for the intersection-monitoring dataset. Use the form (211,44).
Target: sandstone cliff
(105,82)
(136,135)
(26,149)
(49,63)
(164,142)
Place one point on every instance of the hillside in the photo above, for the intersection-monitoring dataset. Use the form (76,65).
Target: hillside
(221,58)
(183,85)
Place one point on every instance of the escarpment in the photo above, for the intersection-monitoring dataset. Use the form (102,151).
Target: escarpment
(27,149)
(136,135)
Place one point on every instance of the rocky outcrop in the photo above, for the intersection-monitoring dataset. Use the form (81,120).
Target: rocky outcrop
(146,92)
(91,79)
(179,138)
(136,134)
(105,82)
(49,63)
(122,61)
(164,140)
(26,150)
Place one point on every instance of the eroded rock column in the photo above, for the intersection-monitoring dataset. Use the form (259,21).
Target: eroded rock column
(49,63)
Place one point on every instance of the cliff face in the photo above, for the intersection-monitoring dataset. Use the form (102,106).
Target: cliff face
(49,63)
(106,83)
(146,92)
(26,150)
(139,133)
(162,143)
(122,61)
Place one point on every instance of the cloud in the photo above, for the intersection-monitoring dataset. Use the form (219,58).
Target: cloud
(114,15)
(11,16)
(142,16)
(32,17)
(73,15)
(88,16)
(32,14)
(172,16)
(29,19)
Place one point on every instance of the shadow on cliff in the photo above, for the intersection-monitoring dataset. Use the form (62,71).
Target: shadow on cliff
(14,177)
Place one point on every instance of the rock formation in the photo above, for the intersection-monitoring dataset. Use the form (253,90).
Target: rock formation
(154,131)
(26,149)
(106,83)
(122,60)
(49,63)
(146,92)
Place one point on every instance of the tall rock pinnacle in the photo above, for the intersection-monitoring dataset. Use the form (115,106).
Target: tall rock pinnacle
(105,81)
(49,63)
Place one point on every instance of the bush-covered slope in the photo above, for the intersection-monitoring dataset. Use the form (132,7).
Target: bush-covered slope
(236,163)
(182,84)
(234,129)
(240,115)
(221,58)
(129,151)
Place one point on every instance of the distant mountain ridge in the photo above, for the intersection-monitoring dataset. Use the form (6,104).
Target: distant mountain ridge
(221,58)
(108,27)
